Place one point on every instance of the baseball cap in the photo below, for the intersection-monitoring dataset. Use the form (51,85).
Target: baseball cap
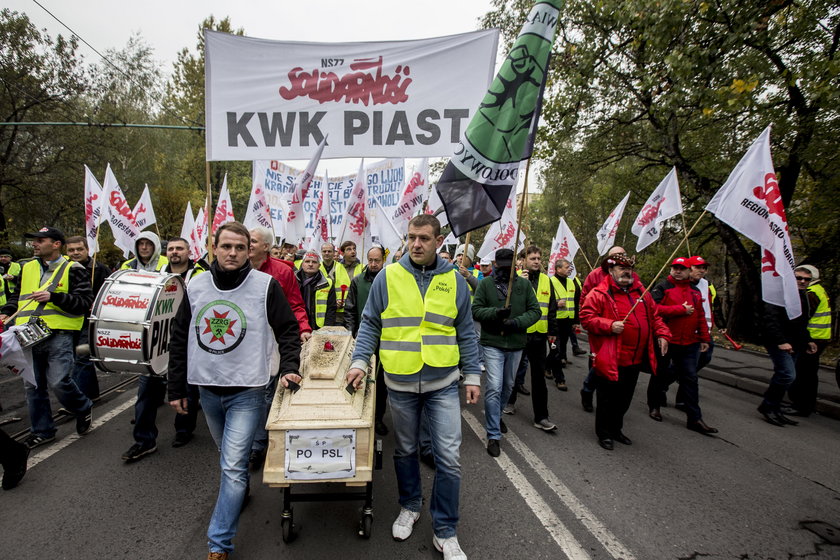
(697,260)
(504,257)
(486,261)
(680,261)
(46,231)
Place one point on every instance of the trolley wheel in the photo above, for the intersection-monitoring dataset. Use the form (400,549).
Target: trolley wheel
(365,526)
(287,526)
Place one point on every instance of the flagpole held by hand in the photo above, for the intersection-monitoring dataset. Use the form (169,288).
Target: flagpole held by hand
(521,216)
(664,266)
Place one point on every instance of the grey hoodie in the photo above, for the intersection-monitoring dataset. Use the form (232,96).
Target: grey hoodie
(152,265)
(428,378)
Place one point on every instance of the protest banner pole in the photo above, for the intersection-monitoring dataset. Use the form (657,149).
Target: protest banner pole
(519,221)
(589,264)
(207,204)
(664,266)
(466,251)
(687,246)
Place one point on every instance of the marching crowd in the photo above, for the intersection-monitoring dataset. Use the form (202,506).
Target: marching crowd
(435,323)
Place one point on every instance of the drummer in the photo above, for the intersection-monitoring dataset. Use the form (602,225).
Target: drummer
(151,390)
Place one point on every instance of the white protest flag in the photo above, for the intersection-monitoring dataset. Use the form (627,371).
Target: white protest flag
(93,210)
(224,208)
(356,222)
(188,225)
(563,246)
(435,207)
(413,196)
(502,233)
(606,235)
(321,233)
(198,237)
(384,232)
(258,213)
(751,203)
(662,204)
(118,214)
(144,214)
(295,219)
(15,358)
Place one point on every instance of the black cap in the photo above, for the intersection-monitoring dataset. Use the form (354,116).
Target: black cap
(50,232)
(5,251)
(504,257)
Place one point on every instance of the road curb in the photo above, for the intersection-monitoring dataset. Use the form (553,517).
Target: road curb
(825,407)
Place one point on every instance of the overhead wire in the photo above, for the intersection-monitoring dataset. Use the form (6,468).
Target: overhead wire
(157,97)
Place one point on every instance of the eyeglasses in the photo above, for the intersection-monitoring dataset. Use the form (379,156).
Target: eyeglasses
(802,279)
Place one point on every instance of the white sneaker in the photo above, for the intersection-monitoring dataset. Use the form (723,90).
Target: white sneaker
(509,409)
(546,425)
(404,524)
(450,548)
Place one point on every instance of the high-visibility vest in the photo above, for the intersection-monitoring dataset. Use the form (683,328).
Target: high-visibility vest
(563,294)
(14,270)
(543,297)
(819,326)
(2,291)
(418,330)
(712,293)
(342,278)
(130,263)
(54,317)
(321,297)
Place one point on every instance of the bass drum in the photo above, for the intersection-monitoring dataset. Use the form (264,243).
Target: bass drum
(130,320)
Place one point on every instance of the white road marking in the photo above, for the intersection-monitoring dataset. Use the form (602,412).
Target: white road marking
(607,539)
(555,527)
(74,437)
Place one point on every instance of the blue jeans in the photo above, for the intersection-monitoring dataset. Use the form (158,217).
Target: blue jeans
(501,369)
(233,421)
(52,360)
(706,357)
(261,439)
(784,372)
(443,410)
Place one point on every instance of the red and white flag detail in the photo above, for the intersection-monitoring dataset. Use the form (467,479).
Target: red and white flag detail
(258,213)
(295,219)
(563,246)
(502,233)
(383,231)
(144,214)
(356,221)
(606,235)
(118,213)
(321,233)
(413,196)
(188,225)
(198,238)
(750,202)
(662,204)
(93,210)
(224,208)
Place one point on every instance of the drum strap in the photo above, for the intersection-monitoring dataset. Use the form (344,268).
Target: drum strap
(50,287)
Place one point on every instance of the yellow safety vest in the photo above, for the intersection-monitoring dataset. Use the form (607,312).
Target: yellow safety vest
(417,329)
(342,278)
(162,262)
(819,326)
(712,294)
(543,297)
(562,294)
(300,262)
(30,281)
(14,270)
(321,297)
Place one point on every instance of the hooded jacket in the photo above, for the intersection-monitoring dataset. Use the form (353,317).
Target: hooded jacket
(156,261)
(429,378)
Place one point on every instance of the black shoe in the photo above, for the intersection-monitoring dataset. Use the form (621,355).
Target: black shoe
(84,421)
(701,428)
(655,414)
(428,459)
(380,428)
(256,459)
(493,448)
(34,440)
(786,420)
(502,426)
(523,390)
(771,416)
(137,452)
(621,438)
(606,443)
(791,411)
(14,473)
(182,439)
(586,400)
(577,351)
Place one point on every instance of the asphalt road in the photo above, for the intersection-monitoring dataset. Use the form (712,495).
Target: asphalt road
(755,492)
